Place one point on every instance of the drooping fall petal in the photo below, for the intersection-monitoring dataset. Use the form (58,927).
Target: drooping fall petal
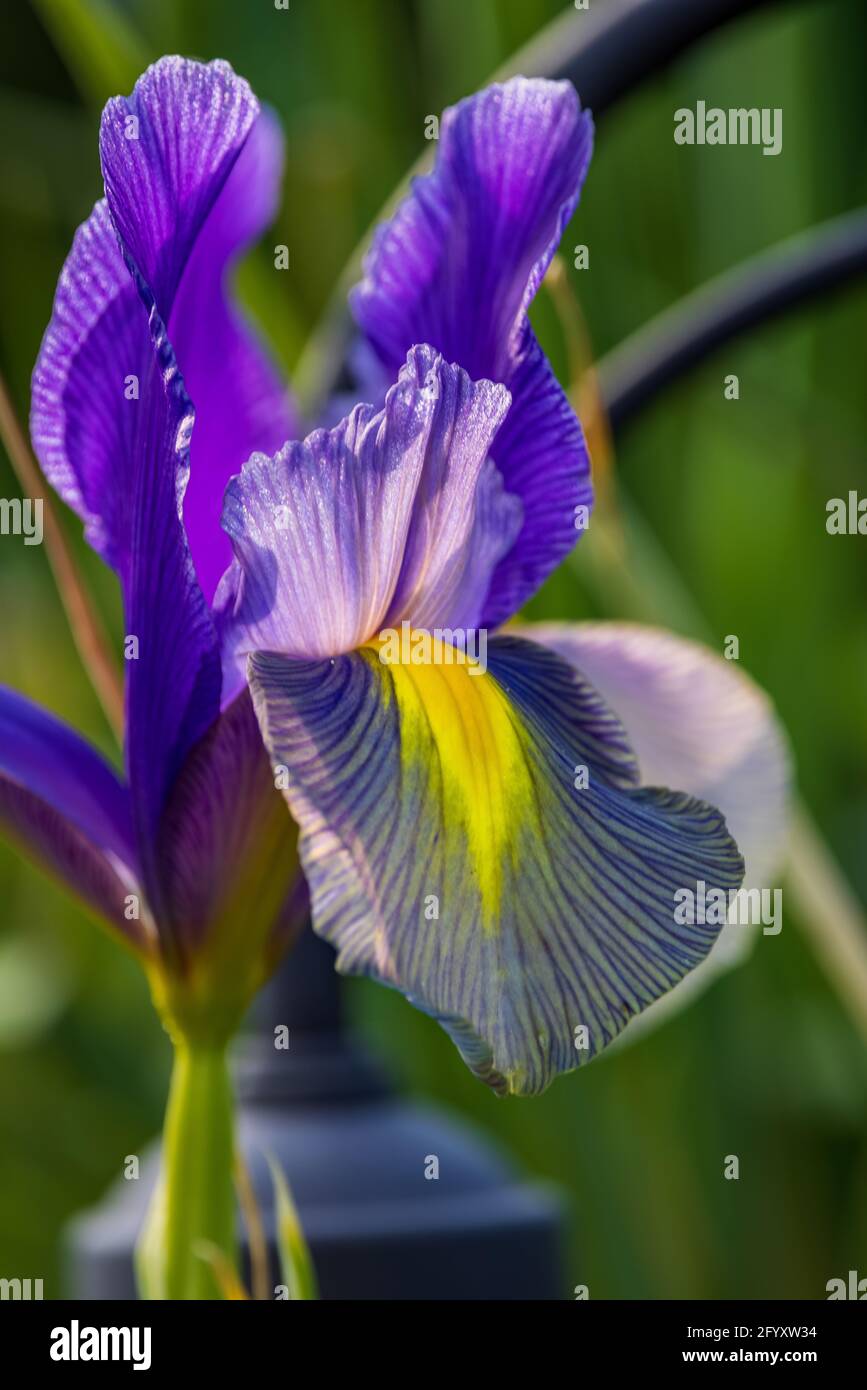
(449,852)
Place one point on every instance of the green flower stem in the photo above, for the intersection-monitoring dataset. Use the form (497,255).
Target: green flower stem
(194,1207)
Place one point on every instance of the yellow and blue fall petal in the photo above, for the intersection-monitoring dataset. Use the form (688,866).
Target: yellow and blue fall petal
(478,840)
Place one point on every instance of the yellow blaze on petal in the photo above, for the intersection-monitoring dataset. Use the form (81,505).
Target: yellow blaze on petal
(465,725)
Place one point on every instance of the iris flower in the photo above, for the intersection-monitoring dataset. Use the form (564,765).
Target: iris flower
(487,838)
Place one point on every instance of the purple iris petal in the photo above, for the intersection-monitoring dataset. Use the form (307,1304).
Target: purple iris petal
(450,854)
(166,151)
(457,267)
(86,388)
(227,849)
(191,170)
(44,835)
(42,753)
(122,456)
(242,403)
(121,459)
(198,183)
(395,514)
(463,520)
(699,722)
(96,349)
(174,678)
(64,805)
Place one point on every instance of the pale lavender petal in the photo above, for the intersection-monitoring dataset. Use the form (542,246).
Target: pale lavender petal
(319,530)
(463,520)
(457,267)
(394,515)
(698,723)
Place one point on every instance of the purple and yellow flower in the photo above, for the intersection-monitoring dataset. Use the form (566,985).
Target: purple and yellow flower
(190,856)
(484,840)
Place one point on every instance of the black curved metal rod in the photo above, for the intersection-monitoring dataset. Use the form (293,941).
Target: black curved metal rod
(762,289)
(611,48)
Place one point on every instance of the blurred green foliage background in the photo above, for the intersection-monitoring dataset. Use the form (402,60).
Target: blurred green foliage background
(767,1064)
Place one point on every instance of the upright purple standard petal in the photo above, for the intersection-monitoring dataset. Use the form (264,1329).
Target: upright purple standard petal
(93,360)
(197,184)
(457,267)
(111,423)
(85,414)
(112,418)
(62,803)
(173,669)
(241,402)
(167,151)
